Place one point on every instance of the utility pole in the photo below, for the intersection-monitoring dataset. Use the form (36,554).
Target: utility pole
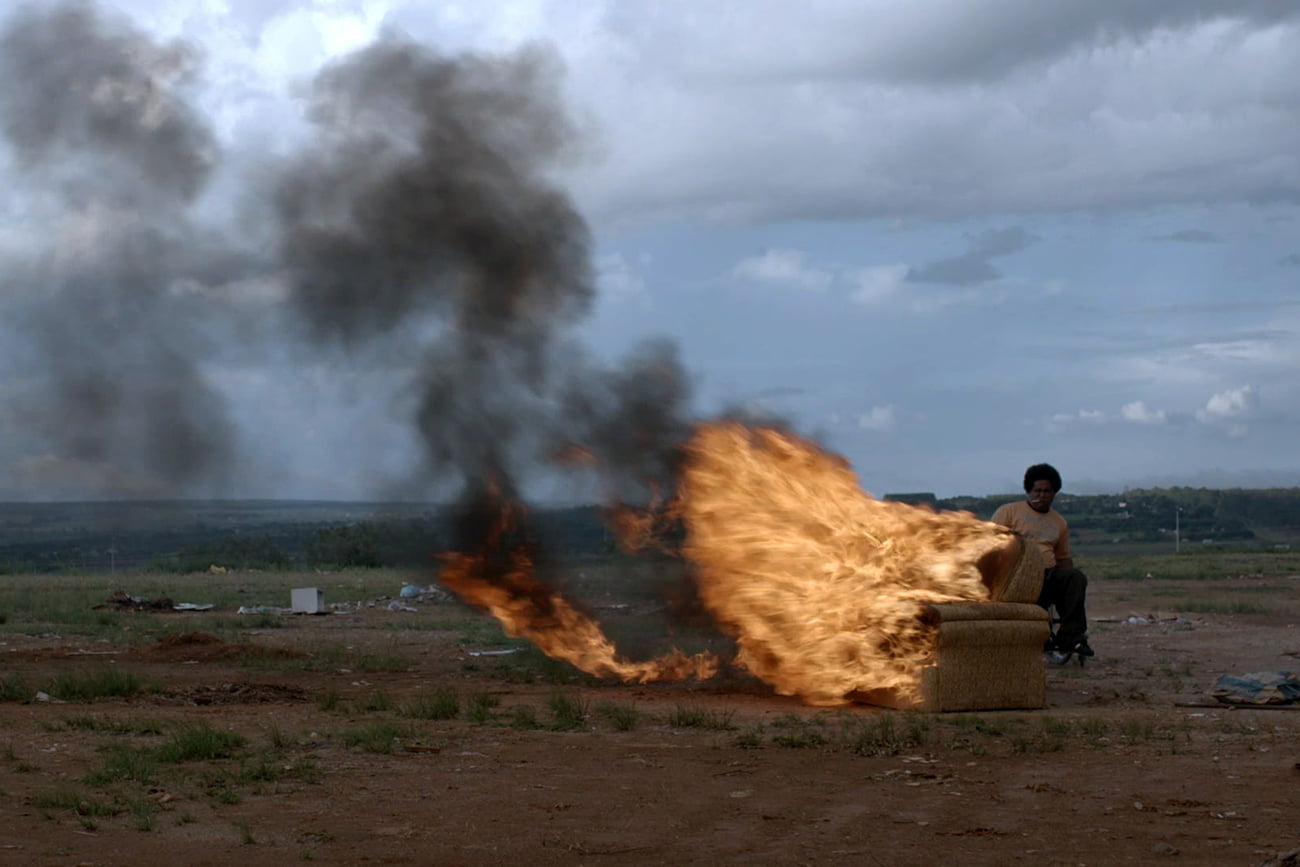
(1178,538)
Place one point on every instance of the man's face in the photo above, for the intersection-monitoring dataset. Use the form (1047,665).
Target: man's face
(1041,496)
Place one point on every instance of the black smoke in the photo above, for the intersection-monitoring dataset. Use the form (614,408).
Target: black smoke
(421,206)
(426,193)
(110,158)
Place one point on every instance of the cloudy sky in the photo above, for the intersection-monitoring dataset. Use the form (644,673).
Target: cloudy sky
(949,238)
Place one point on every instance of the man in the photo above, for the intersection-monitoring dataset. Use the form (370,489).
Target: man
(1063,585)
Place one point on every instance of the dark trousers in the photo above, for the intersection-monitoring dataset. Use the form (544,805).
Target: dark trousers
(1066,589)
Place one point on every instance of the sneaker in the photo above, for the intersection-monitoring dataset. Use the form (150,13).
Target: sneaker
(1083,649)
(1056,657)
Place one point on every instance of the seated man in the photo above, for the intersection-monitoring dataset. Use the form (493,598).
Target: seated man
(1063,585)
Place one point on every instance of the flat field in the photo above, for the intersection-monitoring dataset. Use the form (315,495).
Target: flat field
(426,736)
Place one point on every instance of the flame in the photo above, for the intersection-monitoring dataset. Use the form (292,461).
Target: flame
(502,580)
(823,587)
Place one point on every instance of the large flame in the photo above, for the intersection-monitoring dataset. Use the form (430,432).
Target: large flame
(823,587)
(500,578)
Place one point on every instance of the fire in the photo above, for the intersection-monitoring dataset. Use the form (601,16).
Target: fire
(500,578)
(823,587)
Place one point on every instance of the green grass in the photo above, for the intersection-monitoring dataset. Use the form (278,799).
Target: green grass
(481,706)
(199,742)
(106,682)
(374,701)
(751,738)
(567,711)
(14,688)
(1195,565)
(69,798)
(523,716)
(381,736)
(797,732)
(622,717)
(122,762)
(441,704)
(698,716)
(887,734)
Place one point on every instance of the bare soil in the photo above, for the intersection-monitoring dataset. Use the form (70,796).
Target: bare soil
(1131,763)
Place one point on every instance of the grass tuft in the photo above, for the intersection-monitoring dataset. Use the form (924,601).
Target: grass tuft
(96,683)
(73,800)
(199,742)
(698,716)
(442,703)
(623,717)
(480,708)
(884,736)
(567,712)
(381,736)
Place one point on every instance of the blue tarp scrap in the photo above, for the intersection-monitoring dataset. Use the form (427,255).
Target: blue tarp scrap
(1259,687)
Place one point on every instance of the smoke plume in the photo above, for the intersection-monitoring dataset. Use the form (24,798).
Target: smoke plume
(420,207)
(425,194)
(112,158)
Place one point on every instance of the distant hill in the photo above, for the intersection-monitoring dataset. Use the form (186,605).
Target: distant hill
(187,535)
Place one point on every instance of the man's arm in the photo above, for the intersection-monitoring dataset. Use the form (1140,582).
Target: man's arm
(1064,557)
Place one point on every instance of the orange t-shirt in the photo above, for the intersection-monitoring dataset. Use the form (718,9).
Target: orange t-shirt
(1049,530)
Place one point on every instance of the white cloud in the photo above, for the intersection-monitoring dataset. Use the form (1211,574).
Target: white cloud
(1229,408)
(784,267)
(1139,413)
(1062,421)
(879,418)
(877,284)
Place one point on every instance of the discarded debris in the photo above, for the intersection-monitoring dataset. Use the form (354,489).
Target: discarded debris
(506,652)
(263,609)
(1258,688)
(123,601)
(432,593)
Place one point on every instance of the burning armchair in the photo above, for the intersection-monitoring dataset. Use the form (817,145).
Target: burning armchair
(987,655)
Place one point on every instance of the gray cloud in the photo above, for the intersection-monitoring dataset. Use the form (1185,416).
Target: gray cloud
(1190,236)
(974,266)
(939,42)
(1097,107)
(1292,259)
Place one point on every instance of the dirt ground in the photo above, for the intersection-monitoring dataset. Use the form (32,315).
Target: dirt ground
(1131,763)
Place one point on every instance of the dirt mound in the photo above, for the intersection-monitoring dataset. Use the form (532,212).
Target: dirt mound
(204,647)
